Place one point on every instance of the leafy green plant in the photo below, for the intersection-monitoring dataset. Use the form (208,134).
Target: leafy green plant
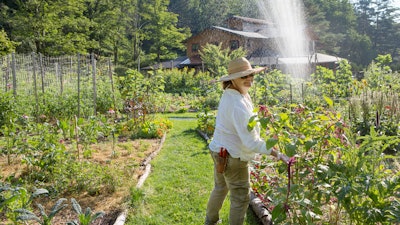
(206,122)
(335,180)
(44,219)
(12,198)
(45,152)
(84,218)
(333,84)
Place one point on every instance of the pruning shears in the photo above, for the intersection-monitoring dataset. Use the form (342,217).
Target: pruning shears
(223,152)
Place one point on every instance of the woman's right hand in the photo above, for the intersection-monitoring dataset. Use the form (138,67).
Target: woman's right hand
(284,158)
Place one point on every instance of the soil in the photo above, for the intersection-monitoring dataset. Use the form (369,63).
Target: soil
(111,203)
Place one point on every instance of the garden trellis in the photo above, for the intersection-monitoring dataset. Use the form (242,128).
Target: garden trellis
(34,75)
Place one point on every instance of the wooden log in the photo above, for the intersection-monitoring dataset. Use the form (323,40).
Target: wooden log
(144,176)
(260,210)
(121,218)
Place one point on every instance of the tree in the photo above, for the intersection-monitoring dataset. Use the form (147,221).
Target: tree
(162,38)
(376,19)
(201,14)
(112,23)
(49,27)
(6,46)
(333,21)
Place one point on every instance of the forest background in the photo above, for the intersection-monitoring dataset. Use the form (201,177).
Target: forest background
(137,33)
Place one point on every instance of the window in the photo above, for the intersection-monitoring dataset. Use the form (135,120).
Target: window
(195,47)
(234,44)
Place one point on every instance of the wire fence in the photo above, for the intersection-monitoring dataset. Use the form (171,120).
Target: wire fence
(34,74)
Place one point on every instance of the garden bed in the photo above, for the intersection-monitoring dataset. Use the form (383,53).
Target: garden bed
(128,159)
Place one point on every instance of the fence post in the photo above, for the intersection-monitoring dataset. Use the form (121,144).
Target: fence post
(291,94)
(94,82)
(14,73)
(7,75)
(112,84)
(35,86)
(79,84)
(60,76)
(42,76)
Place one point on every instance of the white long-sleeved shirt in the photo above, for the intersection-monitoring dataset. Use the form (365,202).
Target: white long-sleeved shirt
(234,112)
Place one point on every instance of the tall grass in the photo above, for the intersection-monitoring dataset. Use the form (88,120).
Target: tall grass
(178,188)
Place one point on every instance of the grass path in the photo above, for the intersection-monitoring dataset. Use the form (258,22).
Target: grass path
(177,190)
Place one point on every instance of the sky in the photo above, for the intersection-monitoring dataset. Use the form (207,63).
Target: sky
(396,3)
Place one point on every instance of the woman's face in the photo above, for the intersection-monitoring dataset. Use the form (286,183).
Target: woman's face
(243,84)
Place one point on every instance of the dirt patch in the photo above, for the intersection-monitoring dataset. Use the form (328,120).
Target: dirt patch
(126,157)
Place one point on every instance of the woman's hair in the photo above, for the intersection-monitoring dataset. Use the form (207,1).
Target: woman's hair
(226,84)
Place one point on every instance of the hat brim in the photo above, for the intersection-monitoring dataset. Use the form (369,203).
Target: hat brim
(242,74)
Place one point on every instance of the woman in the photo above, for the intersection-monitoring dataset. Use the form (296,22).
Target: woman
(231,135)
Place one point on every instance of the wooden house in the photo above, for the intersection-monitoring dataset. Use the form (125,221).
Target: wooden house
(257,37)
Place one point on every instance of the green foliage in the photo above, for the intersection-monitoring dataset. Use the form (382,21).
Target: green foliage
(7,46)
(25,215)
(216,59)
(8,107)
(12,198)
(155,128)
(380,77)
(162,31)
(272,88)
(334,85)
(206,122)
(333,172)
(139,92)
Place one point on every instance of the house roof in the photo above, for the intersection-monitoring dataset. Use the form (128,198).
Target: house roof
(241,33)
(175,63)
(249,20)
(315,58)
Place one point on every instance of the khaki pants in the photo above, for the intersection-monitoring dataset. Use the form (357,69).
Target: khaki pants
(236,180)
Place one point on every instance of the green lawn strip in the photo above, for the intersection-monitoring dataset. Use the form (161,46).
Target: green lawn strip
(177,190)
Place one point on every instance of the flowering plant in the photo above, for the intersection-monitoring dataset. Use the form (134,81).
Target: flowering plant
(333,180)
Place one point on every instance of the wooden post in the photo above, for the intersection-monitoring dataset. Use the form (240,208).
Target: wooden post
(14,73)
(94,83)
(79,84)
(42,75)
(112,84)
(7,75)
(35,85)
(60,76)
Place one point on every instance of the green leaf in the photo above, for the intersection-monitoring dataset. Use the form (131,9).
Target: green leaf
(278,214)
(76,206)
(284,116)
(309,144)
(290,149)
(39,192)
(252,123)
(271,142)
(264,122)
(329,101)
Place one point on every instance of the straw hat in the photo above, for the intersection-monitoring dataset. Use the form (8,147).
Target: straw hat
(239,68)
